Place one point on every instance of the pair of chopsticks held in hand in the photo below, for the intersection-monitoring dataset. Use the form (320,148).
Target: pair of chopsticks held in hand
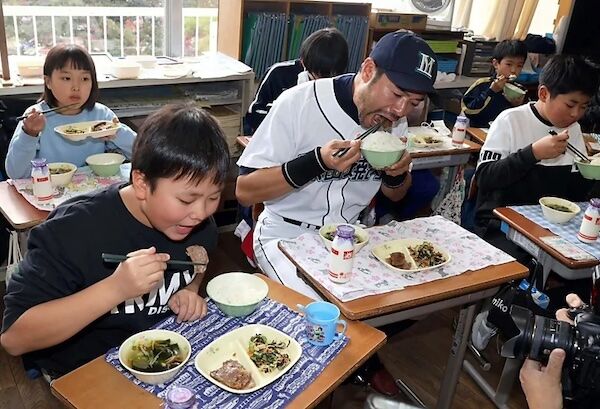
(572,149)
(341,152)
(20,118)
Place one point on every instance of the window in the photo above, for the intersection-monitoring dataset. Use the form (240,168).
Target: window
(120,27)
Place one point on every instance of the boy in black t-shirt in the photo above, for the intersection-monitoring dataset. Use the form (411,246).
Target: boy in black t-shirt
(65,306)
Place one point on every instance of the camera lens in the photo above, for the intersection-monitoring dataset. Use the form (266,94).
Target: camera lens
(549,334)
(537,336)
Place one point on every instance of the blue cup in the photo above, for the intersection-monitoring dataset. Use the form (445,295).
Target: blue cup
(321,320)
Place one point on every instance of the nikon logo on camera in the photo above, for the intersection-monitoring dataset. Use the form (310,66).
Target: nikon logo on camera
(499,303)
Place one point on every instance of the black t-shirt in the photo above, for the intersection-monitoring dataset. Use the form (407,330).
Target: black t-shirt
(64,257)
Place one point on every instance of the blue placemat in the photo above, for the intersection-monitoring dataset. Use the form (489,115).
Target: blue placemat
(567,231)
(203,332)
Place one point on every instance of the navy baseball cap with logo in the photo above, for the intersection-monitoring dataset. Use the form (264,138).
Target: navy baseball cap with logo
(407,60)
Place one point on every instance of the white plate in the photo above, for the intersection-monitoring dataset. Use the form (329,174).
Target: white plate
(87,132)
(383,251)
(234,345)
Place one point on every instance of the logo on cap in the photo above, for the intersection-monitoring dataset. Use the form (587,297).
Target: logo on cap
(426,65)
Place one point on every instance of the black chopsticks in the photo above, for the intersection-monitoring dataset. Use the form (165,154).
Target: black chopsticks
(19,118)
(374,128)
(117,258)
(574,151)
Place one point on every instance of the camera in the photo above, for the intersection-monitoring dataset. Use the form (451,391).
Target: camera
(538,336)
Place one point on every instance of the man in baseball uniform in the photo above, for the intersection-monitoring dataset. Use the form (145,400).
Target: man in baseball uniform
(289,163)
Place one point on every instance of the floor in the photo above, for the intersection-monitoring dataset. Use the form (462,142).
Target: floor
(417,355)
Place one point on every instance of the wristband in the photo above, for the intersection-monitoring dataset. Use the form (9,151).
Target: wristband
(304,168)
(393,181)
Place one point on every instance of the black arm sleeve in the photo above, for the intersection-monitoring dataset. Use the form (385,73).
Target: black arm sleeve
(504,172)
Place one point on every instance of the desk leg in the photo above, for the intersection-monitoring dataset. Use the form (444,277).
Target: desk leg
(457,355)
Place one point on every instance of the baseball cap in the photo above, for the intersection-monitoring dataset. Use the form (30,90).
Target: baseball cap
(407,60)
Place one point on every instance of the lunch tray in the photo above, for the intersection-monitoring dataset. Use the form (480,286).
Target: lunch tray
(202,332)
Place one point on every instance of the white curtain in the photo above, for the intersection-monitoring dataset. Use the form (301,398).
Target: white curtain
(497,19)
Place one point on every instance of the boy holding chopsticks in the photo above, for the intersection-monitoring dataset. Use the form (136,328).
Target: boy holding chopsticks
(66,306)
(525,155)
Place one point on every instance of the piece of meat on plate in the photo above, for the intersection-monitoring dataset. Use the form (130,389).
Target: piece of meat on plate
(398,260)
(234,375)
(198,254)
(100,126)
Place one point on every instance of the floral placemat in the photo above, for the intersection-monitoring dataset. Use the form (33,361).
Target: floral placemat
(200,333)
(370,276)
(84,181)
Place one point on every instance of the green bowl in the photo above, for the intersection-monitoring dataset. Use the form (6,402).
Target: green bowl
(381,160)
(511,91)
(105,164)
(237,294)
(588,170)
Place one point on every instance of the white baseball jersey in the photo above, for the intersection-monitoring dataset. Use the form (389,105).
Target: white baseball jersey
(518,127)
(301,119)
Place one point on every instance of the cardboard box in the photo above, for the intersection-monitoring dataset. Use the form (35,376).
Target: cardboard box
(389,20)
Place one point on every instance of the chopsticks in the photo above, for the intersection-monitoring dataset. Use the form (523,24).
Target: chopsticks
(374,128)
(574,151)
(19,118)
(117,258)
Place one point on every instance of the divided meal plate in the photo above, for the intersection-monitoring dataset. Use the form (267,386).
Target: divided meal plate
(383,251)
(234,345)
(86,130)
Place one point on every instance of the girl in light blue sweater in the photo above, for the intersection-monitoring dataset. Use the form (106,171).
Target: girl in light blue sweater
(69,82)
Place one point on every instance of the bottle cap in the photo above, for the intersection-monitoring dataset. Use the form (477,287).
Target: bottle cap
(595,202)
(180,397)
(345,231)
(38,163)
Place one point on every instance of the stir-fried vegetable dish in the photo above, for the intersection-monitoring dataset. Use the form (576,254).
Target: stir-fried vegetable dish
(425,255)
(155,355)
(267,356)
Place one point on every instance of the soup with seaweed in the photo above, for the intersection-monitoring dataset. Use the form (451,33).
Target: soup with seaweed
(558,207)
(330,235)
(155,355)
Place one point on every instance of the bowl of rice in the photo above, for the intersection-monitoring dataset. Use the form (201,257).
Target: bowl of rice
(382,149)
(589,170)
(237,294)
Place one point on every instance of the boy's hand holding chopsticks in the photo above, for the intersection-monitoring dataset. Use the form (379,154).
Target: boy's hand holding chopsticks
(551,146)
(140,273)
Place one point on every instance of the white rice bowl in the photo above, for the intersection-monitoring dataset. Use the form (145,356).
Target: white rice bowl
(382,141)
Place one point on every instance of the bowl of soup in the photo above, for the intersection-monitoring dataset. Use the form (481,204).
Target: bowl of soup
(327,234)
(61,173)
(155,356)
(382,149)
(557,210)
(237,294)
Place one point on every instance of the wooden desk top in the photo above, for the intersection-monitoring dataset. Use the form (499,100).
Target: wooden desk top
(422,294)
(99,385)
(471,147)
(477,134)
(18,211)
(533,232)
